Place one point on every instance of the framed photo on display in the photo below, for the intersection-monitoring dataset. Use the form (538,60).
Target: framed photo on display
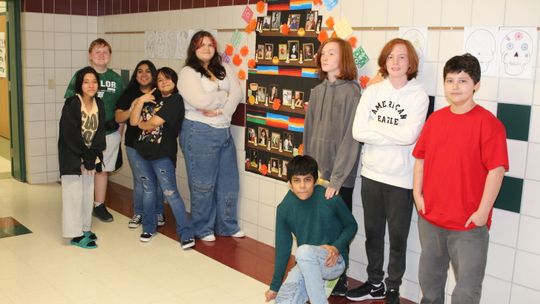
(293,47)
(307,49)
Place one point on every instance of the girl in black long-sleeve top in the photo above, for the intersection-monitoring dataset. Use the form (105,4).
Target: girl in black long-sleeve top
(80,151)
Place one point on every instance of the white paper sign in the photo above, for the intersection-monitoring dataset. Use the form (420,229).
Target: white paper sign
(481,42)
(169,44)
(517,52)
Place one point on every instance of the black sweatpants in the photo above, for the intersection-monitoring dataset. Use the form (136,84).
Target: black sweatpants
(386,203)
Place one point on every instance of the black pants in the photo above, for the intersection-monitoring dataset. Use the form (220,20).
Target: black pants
(386,203)
(346,195)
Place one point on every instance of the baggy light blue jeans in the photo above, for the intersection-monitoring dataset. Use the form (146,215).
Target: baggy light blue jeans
(162,172)
(212,171)
(307,279)
(133,157)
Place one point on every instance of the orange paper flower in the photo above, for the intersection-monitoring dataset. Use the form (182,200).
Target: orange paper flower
(237,60)
(242,75)
(276,104)
(244,51)
(251,63)
(229,49)
(263,169)
(364,81)
(252,25)
(352,42)
(317,2)
(301,149)
(284,29)
(330,22)
(323,35)
(260,6)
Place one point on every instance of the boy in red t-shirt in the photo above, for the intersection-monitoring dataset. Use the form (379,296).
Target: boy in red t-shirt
(461,157)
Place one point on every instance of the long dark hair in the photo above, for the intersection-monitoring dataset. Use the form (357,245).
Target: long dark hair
(133,84)
(80,78)
(214,65)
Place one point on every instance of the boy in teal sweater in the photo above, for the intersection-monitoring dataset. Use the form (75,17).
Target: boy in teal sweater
(323,229)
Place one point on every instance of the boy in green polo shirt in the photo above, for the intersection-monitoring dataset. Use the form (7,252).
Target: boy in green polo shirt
(110,89)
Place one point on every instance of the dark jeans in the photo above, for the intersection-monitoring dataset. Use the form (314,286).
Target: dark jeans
(386,203)
(346,194)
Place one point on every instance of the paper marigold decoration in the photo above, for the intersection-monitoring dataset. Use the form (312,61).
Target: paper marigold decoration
(276,104)
(352,42)
(229,49)
(317,2)
(237,60)
(323,35)
(263,169)
(301,149)
(330,22)
(242,75)
(251,63)
(244,51)
(334,35)
(260,6)
(364,81)
(284,29)
(252,25)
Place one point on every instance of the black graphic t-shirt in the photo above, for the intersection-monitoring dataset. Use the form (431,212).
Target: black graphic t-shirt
(161,141)
(124,103)
(89,122)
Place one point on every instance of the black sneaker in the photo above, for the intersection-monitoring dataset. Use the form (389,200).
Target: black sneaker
(160,220)
(146,237)
(341,286)
(392,296)
(135,221)
(102,213)
(186,244)
(368,291)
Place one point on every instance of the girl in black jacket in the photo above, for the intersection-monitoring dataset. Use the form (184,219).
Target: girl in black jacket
(80,151)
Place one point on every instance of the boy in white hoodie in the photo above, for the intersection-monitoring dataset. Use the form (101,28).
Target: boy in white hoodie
(388,121)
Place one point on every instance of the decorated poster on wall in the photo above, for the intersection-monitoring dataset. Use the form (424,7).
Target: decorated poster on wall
(3,63)
(517,53)
(481,42)
(171,44)
(418,37)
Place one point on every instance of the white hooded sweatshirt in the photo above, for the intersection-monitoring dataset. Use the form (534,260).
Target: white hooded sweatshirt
(388,122)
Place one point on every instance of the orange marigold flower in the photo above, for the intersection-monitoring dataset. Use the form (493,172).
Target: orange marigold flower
(244,51)
(330,22)
(237,60)
(242,75)
(284,29)
(323,35)
(229,49)
(260,6)
(352,41)
(251,63)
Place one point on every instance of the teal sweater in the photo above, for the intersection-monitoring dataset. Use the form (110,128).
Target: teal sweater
(315,221)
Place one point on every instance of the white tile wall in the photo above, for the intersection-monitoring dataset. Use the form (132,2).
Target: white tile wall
(55,46)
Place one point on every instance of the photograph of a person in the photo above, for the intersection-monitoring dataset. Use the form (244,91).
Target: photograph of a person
(319,24)
(287,98)
(284,164)
(311,21)
(266,23)
(273,92)
(260,51)
(261,94)
(288,143)
(252,136)
(294,22)
(276,20)
(298,99)
(293,46)
(268,51)
(263,136)
(260,21)
(274,163)
(282,51)
(308,51)
(275,140)
(254,159)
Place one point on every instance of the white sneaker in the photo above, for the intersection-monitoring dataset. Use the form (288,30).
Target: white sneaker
(239,234)
(209,238)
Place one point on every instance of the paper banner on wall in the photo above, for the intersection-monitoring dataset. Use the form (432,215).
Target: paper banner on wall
(418,37)
(343,28)
(330,4)
(517,52)
(3,63)
(360,57)
(247,14)
(236,38)
(169,44)
(481,42)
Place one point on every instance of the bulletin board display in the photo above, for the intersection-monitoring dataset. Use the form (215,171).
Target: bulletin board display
(278,89)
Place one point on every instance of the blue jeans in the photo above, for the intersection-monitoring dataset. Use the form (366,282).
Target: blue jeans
(306,280)
(133,157)
(212,176)
(162,172)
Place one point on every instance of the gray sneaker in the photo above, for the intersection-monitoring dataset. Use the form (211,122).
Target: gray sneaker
(160,220)
(135,221)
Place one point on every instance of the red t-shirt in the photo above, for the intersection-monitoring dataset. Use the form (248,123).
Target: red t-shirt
(458,151)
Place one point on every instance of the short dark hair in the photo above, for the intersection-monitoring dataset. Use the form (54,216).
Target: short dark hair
(79,78)
(170,74)
(133,83)
(302,165)
(464,63)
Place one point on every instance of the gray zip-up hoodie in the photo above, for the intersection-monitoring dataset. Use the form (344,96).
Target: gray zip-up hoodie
(328,131)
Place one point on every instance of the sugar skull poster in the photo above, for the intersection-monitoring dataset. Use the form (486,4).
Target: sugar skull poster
(481,42)
(517,53)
